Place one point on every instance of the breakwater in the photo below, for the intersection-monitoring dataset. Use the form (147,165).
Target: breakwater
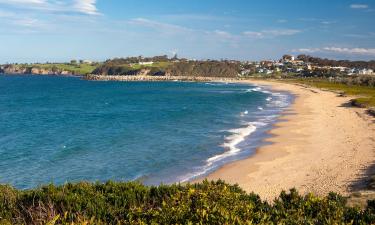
(157,78)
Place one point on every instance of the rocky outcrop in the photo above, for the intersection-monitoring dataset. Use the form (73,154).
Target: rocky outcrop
(355,103)
(371,111)
(12,69)
(9,69)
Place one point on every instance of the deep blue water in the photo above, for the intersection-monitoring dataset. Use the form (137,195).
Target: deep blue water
(58,129)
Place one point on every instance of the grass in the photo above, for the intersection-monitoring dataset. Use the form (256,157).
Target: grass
(75,68)
(364,95)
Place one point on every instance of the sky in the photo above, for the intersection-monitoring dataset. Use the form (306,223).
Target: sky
(61,30)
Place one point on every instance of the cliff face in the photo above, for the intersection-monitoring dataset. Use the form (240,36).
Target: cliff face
(15,70)
(11,69)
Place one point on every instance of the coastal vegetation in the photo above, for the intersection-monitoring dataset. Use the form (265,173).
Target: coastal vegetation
(364,94)
(205,69)
(210,68)
(130,66)
(201,203)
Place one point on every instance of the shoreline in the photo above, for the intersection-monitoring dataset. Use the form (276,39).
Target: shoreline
(318,145)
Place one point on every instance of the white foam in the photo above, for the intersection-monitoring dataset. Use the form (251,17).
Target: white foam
(268,99)
(238,135)
(244,113)
(260,108)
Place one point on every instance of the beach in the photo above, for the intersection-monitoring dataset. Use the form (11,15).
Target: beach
(319,145)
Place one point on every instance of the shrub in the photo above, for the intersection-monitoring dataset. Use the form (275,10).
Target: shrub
(202,203)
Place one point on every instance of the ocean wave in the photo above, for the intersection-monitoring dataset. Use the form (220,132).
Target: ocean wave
(237,136)
(267,114)
(231,145)
(217,83)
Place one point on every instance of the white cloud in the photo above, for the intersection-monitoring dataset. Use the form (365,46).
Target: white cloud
(306,50)
(340,50)
(86,6)
(270,33)
(358,6)
(223,34)
(253,34)
(357,51)
(24,2)
(28,22)
(158,25)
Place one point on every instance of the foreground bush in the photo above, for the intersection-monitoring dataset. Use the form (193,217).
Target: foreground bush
(204,203)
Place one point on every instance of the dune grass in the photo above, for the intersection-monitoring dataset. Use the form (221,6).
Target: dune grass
(363,94)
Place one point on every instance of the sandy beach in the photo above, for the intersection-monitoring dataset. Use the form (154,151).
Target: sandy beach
(320,145)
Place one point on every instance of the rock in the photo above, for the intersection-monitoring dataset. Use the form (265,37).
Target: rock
(371,111)
(355,103)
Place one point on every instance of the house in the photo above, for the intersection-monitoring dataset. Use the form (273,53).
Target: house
(309,67)
(146,63)
(365,72)
(339,68)
(351,71)
(86,61)
(245,72)
(288,58)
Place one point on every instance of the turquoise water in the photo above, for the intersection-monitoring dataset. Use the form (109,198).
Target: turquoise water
(58,129)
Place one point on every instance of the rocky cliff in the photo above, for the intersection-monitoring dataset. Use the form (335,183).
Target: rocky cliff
(14,69)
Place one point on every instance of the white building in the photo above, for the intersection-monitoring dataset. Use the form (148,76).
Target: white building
(366,72)
(339,68)
(146,63)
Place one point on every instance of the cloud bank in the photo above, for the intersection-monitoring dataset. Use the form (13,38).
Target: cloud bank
(346,51)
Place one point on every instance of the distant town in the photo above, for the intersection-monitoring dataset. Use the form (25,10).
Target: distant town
(307,66)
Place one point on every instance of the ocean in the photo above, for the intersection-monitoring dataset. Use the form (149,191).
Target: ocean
(64,129)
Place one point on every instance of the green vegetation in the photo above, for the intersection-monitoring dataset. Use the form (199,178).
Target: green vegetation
(131,66)
(74,68)
(365,94)
(203,203)
(205,69)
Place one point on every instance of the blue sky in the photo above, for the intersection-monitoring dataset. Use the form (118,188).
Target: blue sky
(60,30)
